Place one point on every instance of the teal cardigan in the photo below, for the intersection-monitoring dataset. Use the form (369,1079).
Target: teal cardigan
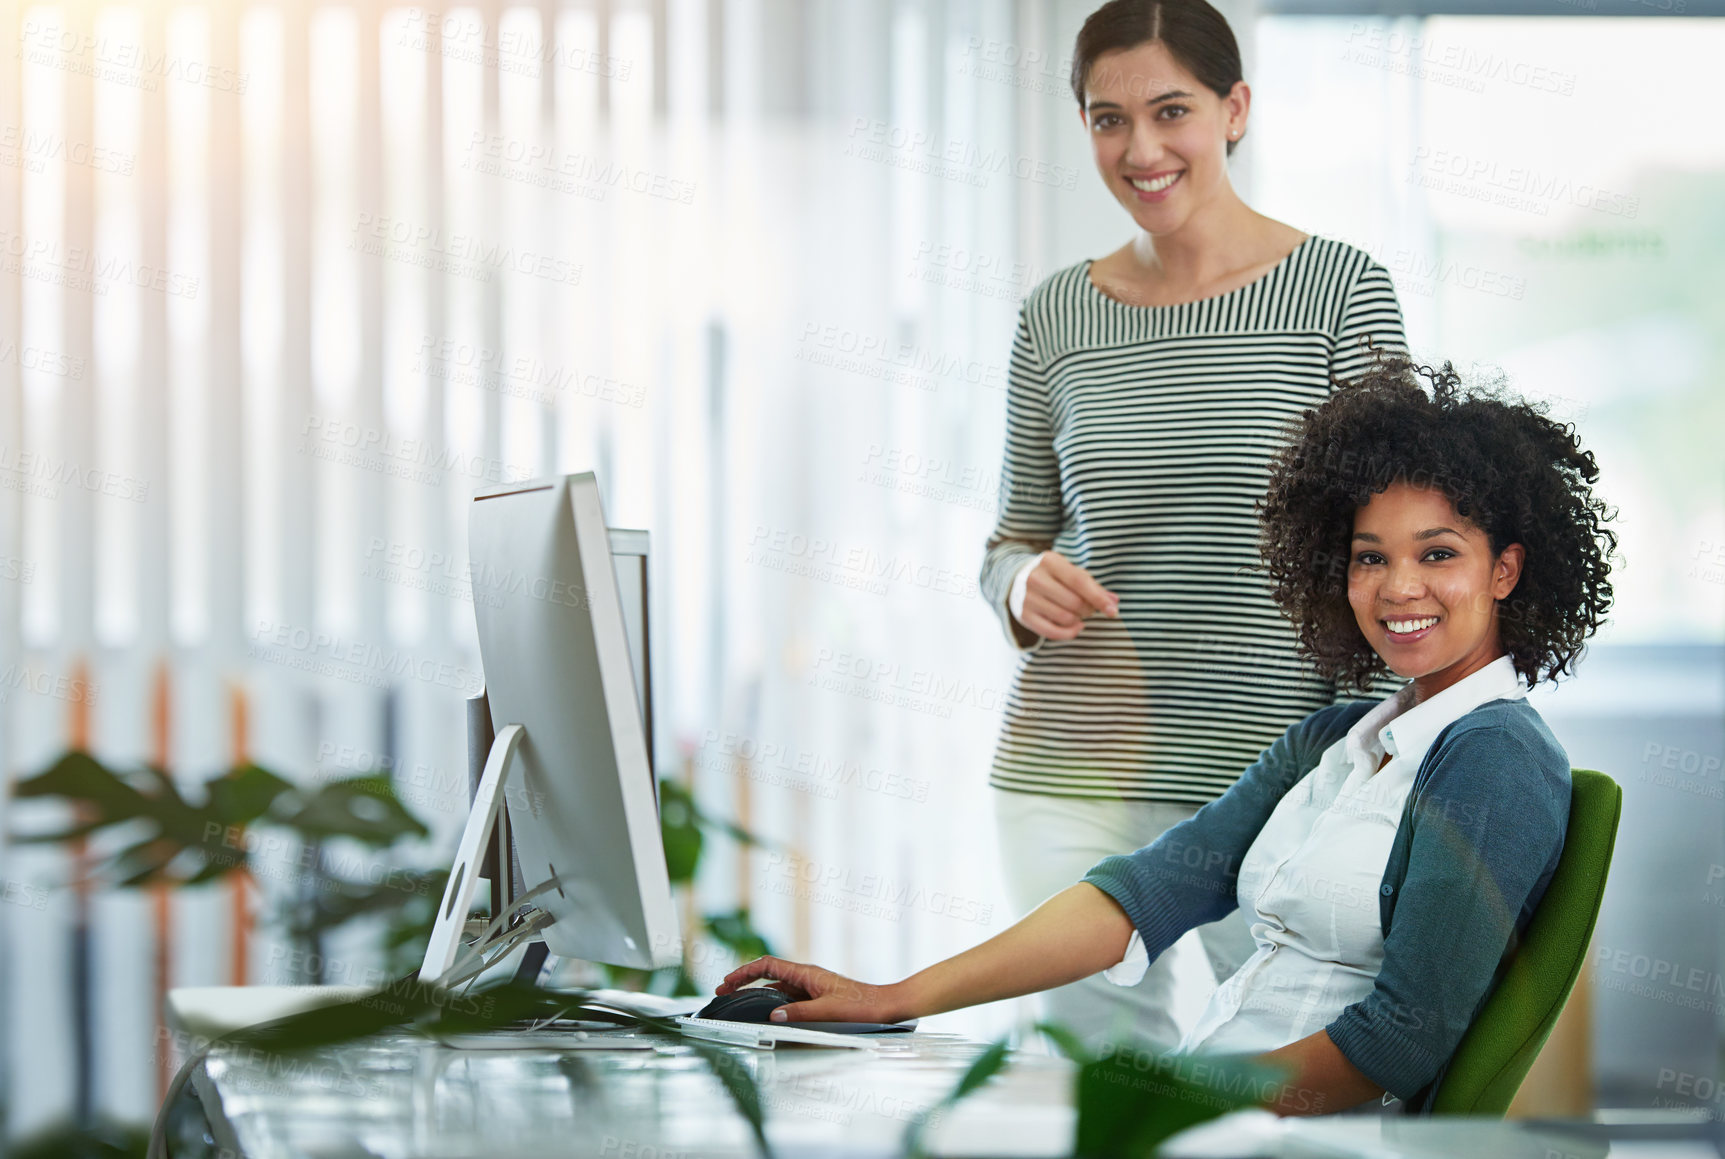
(1478,841)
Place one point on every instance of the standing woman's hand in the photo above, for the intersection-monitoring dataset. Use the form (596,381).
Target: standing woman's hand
(1053,595)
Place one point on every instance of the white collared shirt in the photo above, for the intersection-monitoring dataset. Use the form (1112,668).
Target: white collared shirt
(1311,877)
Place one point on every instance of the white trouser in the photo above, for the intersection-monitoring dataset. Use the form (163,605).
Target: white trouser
(1048,843)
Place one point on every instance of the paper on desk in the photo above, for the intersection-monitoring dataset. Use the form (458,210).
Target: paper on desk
(651,1005)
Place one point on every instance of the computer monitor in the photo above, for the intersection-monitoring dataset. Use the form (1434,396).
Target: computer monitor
(569,767)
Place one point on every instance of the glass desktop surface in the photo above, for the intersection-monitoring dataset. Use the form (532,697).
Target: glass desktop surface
(403,1096)
(406,1097)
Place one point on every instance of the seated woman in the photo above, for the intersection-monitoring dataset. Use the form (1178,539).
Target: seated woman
(1390,853)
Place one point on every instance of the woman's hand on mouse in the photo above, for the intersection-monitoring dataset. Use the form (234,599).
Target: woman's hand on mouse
(819,995)
(1058,595)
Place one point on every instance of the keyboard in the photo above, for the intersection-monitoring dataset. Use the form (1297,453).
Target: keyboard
(767,1035)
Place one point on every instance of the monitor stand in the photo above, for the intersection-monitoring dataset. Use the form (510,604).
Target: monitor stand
(485,819)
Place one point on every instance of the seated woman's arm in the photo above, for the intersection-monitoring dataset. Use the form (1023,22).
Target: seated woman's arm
(1074,934)
(1320,1079)
(1184,878)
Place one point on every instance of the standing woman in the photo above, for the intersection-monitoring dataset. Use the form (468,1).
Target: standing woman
(1148,391)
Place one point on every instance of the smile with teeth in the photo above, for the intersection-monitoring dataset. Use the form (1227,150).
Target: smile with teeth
(1408,627)
(1156,185)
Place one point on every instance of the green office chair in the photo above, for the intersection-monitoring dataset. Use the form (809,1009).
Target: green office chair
(1495,1054)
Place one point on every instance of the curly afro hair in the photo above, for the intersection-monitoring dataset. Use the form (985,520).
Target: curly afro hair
(1512,472)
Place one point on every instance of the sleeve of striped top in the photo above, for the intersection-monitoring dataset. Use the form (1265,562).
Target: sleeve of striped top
(1371,315)
(1031,513)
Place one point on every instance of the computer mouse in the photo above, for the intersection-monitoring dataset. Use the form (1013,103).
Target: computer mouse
(753,1004)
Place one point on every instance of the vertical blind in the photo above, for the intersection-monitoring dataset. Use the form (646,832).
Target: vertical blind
(284,284)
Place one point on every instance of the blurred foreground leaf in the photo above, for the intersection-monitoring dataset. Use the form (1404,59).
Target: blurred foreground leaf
(435,1011)
(733,1072)
(988,1064)
(1133,1097)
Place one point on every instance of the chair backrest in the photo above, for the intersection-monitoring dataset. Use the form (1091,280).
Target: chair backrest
(1504,1039)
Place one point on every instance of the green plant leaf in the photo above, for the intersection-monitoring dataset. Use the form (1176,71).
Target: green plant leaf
(142,862)
(437,1011)
(81,779)
(739,1084)
(729,828)
(736,932)
(987,1064)
(209,825)
(1133,1097)
(1068,1043)
(339,901)
(164,784)
(409,928)
(682,825)
(679,826)
(241,795)
(147,796)
(364,808)
(74,774)
(401,1003)
(683,983)
(217,863)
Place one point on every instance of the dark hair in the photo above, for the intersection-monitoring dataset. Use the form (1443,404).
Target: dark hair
(1194,33)
(1514,473)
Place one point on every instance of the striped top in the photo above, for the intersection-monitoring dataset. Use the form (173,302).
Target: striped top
(1138,439)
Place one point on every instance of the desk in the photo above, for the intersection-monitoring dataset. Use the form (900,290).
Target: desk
(404,1097)
(401,1095)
